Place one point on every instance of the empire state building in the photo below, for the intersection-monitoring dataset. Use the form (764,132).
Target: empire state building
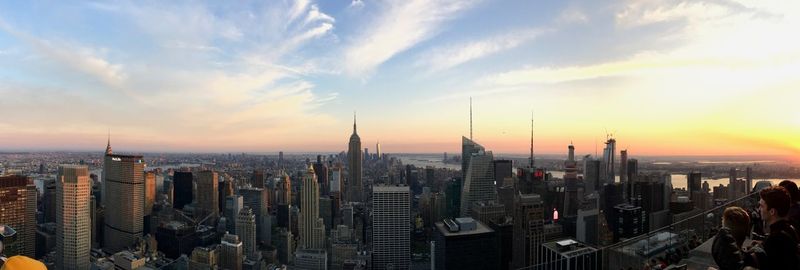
(354,159)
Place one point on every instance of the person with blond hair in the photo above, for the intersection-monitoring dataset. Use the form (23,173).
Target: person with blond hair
(22,263)
(727,246)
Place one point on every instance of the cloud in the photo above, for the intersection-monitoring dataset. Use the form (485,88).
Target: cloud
(714,39)
(572,15)
(74,57)
(213,78)
(443,58)
(315,15)
(297,9)
(357,4)
(401,26)
(640,13)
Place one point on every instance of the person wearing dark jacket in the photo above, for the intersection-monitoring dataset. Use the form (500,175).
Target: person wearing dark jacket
(727,246)
(794,208)
(780,246)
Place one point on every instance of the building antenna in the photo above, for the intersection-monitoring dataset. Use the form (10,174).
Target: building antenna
(470,118)
(531,139)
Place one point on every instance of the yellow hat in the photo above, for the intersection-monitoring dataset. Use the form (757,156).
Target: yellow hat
(22,262)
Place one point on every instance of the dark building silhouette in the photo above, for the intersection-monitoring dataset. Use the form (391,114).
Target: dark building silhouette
(183,182)
(321,170)
(504,228)
(176,238)
(502,169)
(465,243)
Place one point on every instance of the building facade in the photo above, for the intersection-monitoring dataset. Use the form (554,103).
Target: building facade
(123,176)
(391,227)
(73,227)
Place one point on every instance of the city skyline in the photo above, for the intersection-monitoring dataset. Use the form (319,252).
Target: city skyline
(665,78)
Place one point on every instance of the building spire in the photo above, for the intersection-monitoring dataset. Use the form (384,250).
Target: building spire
(470,118)
(354,123)
(108,146)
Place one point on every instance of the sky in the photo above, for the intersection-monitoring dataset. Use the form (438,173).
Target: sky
(664,77)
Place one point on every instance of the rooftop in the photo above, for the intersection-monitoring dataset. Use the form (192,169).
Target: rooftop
(479,228)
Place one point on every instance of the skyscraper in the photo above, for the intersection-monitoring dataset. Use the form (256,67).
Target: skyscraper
(231,252)
(207,195)
(257,179)
(464,243)
(309,213)
(391,227)
(378,149)
(149,192)
(123,180)
(18,204)
(246,229)
(748,180)
(571,183)
(479,184)
(336,181)
(693,185)
(183,191)
(321,170)
(632,172)
(73,227)
(591,173)
(528,230)
(503,172)
(258,201)
(623,171)
(49,200)
(354,159)
(233,204)
(697,194)
(608,161)
(283,190)
(468,147)
(225,190)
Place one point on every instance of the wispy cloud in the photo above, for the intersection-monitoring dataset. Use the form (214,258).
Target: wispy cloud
(443,58)
(401,26)
(639,13)
(235,77)
(356,4)
(74,57)
(572,15)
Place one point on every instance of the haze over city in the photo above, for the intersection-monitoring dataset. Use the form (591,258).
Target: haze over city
(666,78)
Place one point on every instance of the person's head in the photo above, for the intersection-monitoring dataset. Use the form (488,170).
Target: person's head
(774,204)
(791,187)
(737,220)
(22,263)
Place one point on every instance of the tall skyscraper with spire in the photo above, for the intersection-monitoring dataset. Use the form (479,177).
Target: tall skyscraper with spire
(530,159)
(354,159)
(73,226)
(608,160)
(123,177)
(309,213)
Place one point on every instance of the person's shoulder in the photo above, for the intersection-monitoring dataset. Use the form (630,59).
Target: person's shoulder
(723,234)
